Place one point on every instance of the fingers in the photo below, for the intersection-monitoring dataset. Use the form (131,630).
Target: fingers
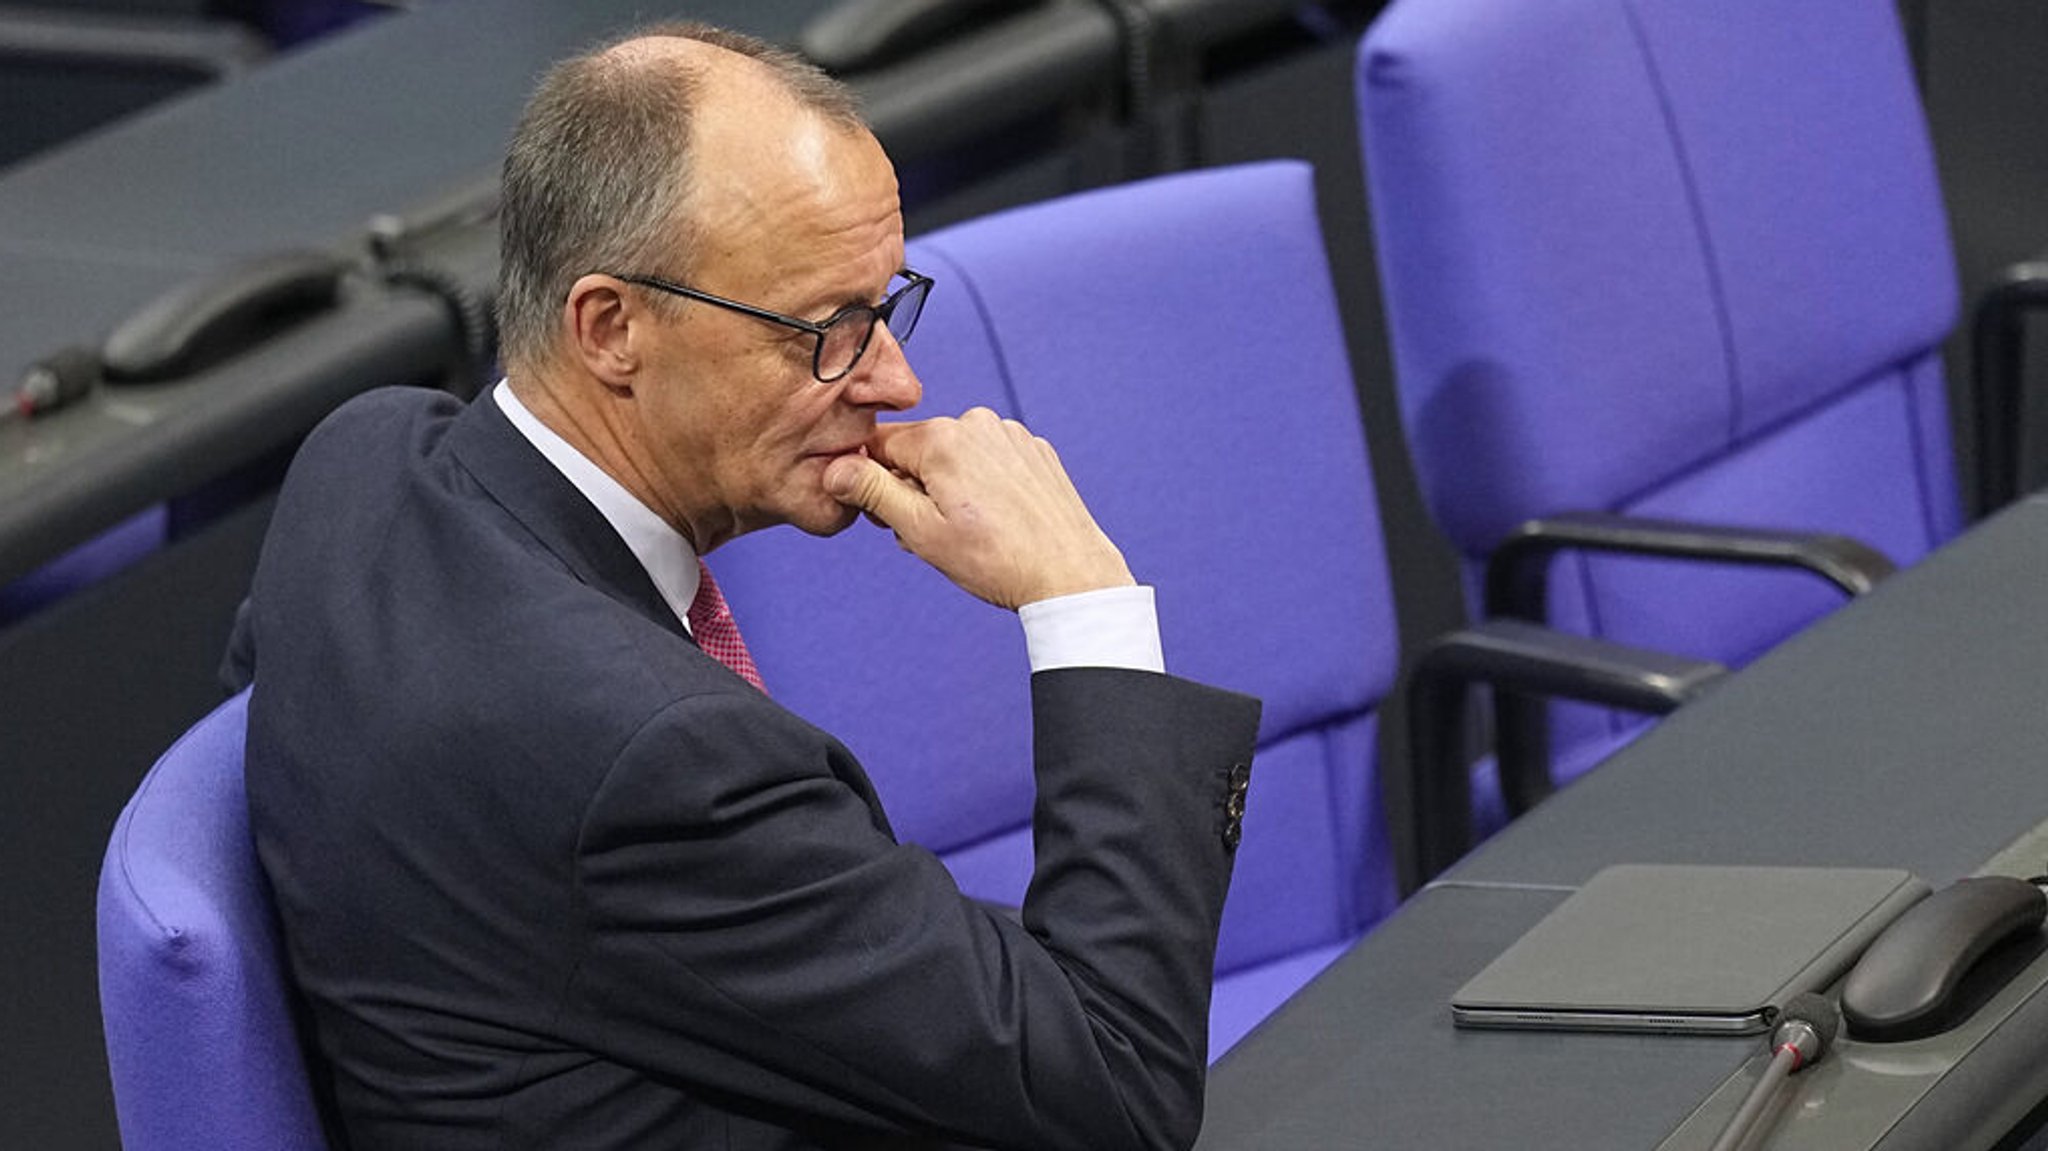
(901,445)
(907,446)
(896,502)
(984,501)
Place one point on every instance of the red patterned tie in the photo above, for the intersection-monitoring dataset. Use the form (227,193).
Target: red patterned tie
(712,624)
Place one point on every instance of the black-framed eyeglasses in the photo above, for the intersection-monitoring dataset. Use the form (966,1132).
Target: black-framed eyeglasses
(842,338)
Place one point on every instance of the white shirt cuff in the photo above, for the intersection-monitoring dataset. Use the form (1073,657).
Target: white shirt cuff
(1109,627)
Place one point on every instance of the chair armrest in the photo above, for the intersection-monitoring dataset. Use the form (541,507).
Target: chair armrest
(1517,574)
(1997,387)
(1521,660)
(1517,587)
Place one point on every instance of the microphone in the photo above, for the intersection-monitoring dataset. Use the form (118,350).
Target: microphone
(52,383)
(1806,1027)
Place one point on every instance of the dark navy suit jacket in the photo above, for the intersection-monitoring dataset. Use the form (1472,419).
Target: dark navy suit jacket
(549,876)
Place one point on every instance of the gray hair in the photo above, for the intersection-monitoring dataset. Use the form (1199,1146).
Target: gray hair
(598,173)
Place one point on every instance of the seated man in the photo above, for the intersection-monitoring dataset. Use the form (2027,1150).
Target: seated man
(552,870)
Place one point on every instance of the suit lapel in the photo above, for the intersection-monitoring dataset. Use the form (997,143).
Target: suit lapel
(522,481)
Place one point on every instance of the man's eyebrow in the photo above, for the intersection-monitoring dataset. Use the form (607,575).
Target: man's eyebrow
(856,300)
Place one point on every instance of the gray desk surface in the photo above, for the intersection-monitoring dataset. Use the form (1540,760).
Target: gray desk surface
(301,153)
(389,118)
(306,148)
(1908,730)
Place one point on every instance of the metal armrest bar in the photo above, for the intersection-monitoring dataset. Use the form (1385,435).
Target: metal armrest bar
(1517,587)
(1516,574)
(1529,661)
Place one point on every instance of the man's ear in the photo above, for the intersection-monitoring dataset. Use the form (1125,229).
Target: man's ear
(602,321)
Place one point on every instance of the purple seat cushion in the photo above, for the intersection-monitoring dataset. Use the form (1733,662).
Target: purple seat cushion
(198,1013)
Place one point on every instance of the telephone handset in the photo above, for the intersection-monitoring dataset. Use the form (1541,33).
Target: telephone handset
(1936,963)
(218,315)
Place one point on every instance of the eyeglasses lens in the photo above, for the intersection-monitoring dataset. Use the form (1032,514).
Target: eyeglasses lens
(840,348)
(905,308)
(843,342)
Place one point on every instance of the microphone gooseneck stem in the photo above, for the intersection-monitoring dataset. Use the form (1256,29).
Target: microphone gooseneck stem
(1784,1060)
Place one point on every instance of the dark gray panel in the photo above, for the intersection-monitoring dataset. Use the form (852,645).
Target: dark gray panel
(96,688)
(1987,96)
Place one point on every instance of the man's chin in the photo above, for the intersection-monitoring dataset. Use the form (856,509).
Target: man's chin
(827,521)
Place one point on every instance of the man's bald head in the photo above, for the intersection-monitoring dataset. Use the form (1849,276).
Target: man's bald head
(599,172)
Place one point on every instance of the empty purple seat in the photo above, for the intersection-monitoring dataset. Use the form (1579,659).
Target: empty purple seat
(1178,341)
(1666,260)
(201,1039)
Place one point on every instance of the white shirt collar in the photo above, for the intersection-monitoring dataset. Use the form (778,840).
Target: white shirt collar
(661,549)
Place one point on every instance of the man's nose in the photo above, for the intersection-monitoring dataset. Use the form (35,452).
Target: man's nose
(883,378)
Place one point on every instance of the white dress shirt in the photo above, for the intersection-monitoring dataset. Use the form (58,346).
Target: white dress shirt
(1109,627)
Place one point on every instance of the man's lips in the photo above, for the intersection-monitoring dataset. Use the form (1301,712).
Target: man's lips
(858,449)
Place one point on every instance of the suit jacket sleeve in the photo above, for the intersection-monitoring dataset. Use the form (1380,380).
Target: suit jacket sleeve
(755,934)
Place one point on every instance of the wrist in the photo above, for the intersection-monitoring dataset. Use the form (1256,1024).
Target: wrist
(1099,574)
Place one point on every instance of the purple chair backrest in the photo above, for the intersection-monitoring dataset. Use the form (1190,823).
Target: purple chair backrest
(201,1038)
(1670,258)
(1178,341)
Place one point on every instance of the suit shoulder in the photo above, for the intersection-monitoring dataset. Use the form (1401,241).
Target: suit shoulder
(383,415)
(367,443)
